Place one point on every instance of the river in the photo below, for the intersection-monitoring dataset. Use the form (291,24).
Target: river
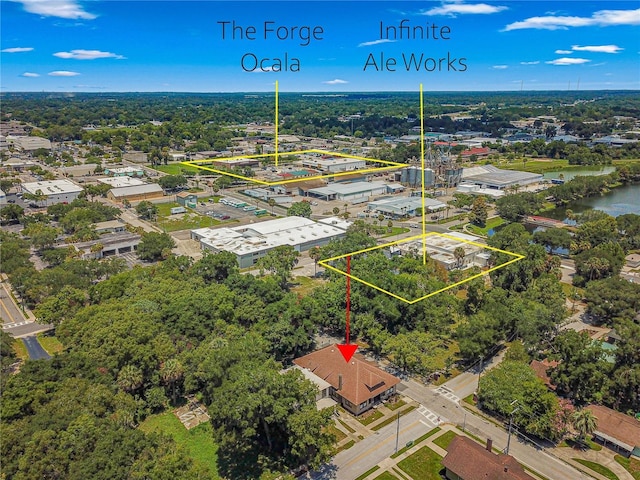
(616,202)
(585,170)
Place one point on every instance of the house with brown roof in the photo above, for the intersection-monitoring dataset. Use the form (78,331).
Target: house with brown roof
(617,430)
(468,460)
(357,385)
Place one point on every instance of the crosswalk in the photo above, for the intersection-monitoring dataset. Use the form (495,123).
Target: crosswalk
(448,394)
(434,419)
(7,326)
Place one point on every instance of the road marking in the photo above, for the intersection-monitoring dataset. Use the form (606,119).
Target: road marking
(429,415)
(446,393)
(6,310)
(15,324)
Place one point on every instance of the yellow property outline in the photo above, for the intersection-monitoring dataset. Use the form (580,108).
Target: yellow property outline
(325,263)
(390,166)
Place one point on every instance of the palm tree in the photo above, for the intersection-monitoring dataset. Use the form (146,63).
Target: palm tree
(336,210)
(459,255)
(170,372)
(314,254)
(272,203)
(585,423)
(129,378)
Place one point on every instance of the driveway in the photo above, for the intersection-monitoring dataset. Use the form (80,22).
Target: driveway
(35,350)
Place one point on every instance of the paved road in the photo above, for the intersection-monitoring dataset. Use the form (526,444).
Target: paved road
(35,350)
(9,312)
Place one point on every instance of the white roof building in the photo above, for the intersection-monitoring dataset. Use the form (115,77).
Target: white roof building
(119,182)
(251,242)
(55,191)
(31,143)
(348,191)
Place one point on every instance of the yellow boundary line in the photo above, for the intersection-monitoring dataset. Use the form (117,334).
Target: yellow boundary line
(325,263)
(276,124)
(424,214)
(390,166)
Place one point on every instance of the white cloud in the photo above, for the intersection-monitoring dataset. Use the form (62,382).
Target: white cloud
(563,52)
(30,75)
(376,42)
(464,8)
(597,48)
(16,50)
(568,61)
(63,73)
(536,62)
(56,8)
(87,55)
(601,18)
(336,81)
(500,67)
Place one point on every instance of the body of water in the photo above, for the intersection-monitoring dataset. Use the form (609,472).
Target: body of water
(586,171)
(618,201)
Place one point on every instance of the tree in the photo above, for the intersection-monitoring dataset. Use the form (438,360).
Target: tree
(130,378)
(336,210)
(553,238)
(155,246)
(12,213)
(147,210)
(585,423)
(171,372)
(216,267)
(300,209)
(272,203)
(459,255)
(280,262)
(41,236)
(315,254)
(171,182)
(479,212)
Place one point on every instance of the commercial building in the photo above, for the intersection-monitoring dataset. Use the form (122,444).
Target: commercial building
(119,182)
(147,191)
(356,192)
(442,249)
(334,165)
(55,191)
(29,144)
(468,460)
(404,206)
(108,245)
(249,243)
(323,396)
(124,171)
(617,430)
(490,177)
(186,199)
(357,385)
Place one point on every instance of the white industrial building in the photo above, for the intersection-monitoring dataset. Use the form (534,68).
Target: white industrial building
(490,177)
(251,242)
(334,165)
(29,143)
(404,206)
(119,182)
(55,191)
(354,192)
(441,249)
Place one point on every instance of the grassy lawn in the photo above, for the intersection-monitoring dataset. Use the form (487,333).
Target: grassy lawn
(445,439)
(396,231)
(538,166)
(395,405)
(416,442)
(483,231)
(346,446)
(20,349)
(631,465)
(339,434)
(50,343)
(370,417)
(197,442)
(349,429)
(596,467)
(176,169)
(385,476)
(305,285)
(587,442)
(187,222)
(392,419)
(469,399)
(425,464)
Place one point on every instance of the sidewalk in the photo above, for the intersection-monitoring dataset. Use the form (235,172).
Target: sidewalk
(603,457)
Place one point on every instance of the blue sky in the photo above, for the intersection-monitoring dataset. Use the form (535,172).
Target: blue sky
(147,46)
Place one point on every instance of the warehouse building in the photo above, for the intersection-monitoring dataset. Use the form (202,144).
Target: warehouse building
(404,206)
(488,176)
(119,182)
(334,165)
(54,191)
(252,242)
(442,250)
(356,192)
(29,144)
(148,191)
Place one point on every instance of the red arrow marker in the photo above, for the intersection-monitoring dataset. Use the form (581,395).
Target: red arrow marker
(348,349)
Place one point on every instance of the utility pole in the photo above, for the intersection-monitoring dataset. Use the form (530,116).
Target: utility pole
(510,427)
(479,373)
